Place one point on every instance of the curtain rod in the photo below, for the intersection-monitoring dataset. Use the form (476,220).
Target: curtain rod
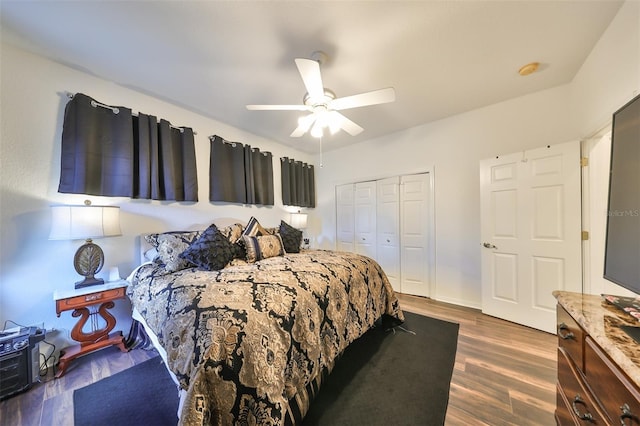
(116,110)
(233,144)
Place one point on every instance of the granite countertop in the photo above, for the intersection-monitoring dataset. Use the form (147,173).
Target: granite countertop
(601,321)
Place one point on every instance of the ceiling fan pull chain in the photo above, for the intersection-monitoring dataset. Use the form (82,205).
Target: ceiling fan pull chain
(320,151)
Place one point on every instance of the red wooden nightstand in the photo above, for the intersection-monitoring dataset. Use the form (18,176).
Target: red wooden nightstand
(90,303)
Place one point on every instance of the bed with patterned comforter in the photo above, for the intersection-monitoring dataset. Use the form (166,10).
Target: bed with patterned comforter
(251,344)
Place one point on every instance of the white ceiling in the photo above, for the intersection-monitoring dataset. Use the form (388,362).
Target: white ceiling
(214,57)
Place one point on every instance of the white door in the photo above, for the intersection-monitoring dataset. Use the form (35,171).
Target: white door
(388,229)
(414,234)
(530,233)
(365,218)
(345,218)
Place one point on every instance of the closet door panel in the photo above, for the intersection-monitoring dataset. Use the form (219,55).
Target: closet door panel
(388,229)
(365,218)
(414,227)
(345,218)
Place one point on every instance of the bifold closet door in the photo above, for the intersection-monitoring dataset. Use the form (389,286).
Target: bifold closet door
(345,219)
(414,234)
(388,229)
(365,218)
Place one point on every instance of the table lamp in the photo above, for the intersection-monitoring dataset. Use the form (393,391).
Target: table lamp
(85,223)
(299,221)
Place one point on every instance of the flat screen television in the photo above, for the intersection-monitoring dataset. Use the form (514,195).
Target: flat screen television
(622,250)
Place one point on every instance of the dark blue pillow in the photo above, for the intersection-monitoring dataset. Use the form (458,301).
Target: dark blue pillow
(291,237)
(211,251)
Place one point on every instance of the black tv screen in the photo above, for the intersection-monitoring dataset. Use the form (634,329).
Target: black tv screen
(622,251)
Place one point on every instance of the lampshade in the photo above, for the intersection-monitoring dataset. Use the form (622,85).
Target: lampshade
(85,222)
(81,222)
(299,220)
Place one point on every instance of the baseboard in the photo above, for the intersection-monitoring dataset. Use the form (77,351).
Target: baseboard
(459,302)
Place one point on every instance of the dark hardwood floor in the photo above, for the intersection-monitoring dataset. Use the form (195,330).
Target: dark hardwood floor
(504,374)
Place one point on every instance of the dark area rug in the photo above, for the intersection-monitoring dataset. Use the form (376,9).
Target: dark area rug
(144,394)
(387,377)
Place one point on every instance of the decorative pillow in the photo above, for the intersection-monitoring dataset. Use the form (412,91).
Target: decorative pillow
(262,247)
(187,235)
(291,237)
(211,252)
(170,245)
(232,232)
(271,231)
(254,228)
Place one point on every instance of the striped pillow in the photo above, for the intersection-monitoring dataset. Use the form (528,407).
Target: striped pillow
(254,228)
(262,247)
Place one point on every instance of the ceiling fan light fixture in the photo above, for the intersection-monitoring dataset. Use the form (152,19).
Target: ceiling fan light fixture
(323,104)
(317,130)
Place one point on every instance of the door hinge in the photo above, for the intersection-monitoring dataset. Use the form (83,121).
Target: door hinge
(585,235)
(584,161)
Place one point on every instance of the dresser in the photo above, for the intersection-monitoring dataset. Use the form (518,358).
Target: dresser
(598,364)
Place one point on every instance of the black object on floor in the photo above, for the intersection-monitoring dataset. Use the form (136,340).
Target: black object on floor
(387,378)
(144,394)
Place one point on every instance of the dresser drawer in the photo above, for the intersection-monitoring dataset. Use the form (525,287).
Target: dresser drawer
(570,337)
(564,411)
(619,398)
(580,403)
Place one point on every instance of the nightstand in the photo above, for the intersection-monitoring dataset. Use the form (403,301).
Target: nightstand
(90,304)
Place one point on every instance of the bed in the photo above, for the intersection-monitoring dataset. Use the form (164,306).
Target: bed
(252,341)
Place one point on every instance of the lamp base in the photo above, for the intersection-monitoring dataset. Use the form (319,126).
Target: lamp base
(88,261)
(89,281)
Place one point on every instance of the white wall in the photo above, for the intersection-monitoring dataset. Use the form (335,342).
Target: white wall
(32,267)
(608,79)
(455,145)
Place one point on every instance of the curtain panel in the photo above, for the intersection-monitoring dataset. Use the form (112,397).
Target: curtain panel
(298,183)
(97,149)
(259,173)
(165,160)
(111,152)
(227,180)
(239,173)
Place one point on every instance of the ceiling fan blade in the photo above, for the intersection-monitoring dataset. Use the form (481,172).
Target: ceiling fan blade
(310,73)
(278,107)
(374,97)
(344,123)
(304,124)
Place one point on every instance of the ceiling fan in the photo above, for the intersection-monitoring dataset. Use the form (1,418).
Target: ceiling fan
(323,104)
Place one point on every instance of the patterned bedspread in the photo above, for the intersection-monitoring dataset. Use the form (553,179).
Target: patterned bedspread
(252,343)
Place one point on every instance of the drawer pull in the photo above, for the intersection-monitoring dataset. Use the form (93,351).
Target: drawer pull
(586,416)
(627,414)
(565,336)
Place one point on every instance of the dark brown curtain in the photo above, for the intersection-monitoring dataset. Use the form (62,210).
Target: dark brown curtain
(165,160)
(97,149)
(239,173)
(227,180)
(108,151)
(298,183)
(259,173)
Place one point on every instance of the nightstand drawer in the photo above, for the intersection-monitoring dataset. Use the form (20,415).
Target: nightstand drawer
(91,298)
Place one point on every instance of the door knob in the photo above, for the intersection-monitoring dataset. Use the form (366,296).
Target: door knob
(489,246)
